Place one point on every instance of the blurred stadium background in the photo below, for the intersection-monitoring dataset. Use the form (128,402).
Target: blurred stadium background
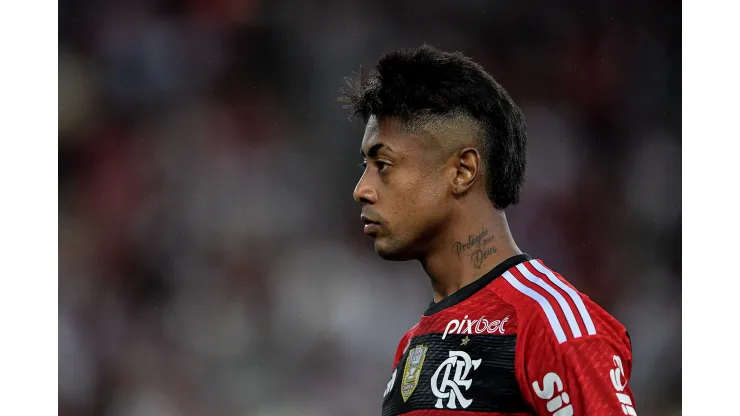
(211,255)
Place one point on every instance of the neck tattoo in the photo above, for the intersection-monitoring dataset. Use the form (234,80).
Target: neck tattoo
(478,247)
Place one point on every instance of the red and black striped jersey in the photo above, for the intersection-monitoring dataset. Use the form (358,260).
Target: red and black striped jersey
(521,340)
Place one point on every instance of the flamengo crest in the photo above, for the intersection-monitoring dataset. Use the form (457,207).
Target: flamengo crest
(454,375)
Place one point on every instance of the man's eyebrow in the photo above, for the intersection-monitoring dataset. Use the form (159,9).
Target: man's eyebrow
(373,152)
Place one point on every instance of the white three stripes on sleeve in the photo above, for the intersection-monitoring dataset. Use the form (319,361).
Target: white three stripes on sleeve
(572,293)
(547,305)
(559,334)
(567,311)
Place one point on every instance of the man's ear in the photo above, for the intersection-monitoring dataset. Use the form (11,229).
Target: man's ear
(467,164)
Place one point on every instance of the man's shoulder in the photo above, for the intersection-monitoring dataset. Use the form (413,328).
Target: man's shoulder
(545,301)
(403,344)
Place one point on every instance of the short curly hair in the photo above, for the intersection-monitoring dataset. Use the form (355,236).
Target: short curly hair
(417,84)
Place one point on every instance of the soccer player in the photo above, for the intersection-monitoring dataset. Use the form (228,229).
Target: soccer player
(444,154)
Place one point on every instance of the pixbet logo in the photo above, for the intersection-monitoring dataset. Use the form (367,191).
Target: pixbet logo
(475,326)
(558,401)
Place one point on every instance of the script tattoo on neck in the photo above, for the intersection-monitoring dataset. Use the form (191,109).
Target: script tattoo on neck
(478,245)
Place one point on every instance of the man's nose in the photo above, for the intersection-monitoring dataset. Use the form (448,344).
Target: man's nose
(364,193)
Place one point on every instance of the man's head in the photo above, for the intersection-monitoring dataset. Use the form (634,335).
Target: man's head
(439,130)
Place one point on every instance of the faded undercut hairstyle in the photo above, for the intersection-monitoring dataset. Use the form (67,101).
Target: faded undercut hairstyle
(447,94)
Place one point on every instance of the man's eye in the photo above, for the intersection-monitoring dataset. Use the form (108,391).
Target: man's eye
(382,166)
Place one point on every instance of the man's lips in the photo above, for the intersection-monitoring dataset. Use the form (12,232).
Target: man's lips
(371,226)
(366,220)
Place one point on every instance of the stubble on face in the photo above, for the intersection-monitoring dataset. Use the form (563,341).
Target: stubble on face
(410,192)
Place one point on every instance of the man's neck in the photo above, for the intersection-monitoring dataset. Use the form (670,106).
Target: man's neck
(474,246)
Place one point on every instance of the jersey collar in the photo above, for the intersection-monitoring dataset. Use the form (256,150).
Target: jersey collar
(469,290)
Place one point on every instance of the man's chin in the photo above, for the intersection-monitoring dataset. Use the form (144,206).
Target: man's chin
(387,252)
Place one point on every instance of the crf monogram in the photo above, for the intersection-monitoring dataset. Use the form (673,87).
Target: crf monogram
(449,388)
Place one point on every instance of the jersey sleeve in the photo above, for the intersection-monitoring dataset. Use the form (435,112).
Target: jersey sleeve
(400,350)
(583,376)
(403,344)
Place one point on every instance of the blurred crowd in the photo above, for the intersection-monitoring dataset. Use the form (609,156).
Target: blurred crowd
(211,256)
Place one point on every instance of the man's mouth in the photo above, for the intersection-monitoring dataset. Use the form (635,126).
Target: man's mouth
(371,226)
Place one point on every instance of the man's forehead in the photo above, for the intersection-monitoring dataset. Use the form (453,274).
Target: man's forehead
(386,131)
(372,134)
